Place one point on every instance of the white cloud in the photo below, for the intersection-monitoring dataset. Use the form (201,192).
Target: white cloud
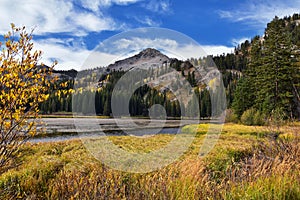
(159,6)
(52,16)
(147,21)
(170,47)
(91,22)
(225,14)
(259,13)
(137,43)
(74,56)
(56,16)
(125,2)
(97,4)
(217,49)
(197,51)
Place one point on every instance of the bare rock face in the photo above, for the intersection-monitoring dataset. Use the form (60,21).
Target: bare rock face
(145,59)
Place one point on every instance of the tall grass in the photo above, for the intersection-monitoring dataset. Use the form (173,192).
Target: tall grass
(241,166)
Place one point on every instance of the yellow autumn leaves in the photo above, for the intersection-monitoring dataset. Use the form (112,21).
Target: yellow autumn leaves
(24,84)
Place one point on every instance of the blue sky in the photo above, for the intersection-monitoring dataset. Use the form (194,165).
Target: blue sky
(69,30)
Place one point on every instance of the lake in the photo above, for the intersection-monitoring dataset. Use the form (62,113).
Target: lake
(62,129)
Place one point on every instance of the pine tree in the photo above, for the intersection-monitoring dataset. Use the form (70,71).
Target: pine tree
(276,74)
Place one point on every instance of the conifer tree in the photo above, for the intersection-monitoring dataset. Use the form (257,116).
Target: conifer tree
(277,73)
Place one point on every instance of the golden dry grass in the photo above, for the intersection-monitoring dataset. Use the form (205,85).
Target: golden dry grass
(244,164)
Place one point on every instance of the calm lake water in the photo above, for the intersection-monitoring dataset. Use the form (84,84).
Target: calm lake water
(62,129)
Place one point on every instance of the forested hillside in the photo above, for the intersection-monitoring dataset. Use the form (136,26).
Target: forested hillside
(261,77)
(270,83)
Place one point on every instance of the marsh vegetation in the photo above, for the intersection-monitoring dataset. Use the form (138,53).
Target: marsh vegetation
(246,163)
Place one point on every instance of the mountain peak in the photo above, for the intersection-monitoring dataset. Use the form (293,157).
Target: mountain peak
(150,52)
(146,58)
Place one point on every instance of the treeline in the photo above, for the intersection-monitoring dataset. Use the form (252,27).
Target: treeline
(99,101)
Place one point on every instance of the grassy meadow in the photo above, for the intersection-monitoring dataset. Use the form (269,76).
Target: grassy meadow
(248,162)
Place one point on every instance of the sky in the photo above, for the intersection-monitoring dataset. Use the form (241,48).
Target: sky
(70,31)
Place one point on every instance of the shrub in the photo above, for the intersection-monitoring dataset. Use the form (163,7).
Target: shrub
(259,118)
(247,117)
(253,117)
(231,116)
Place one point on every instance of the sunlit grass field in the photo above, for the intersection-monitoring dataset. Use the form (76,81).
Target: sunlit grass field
(246,163)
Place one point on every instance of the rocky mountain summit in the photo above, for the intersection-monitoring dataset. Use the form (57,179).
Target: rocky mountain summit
(147,58)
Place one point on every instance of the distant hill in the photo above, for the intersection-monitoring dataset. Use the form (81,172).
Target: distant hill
(61,74)
(67,74)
